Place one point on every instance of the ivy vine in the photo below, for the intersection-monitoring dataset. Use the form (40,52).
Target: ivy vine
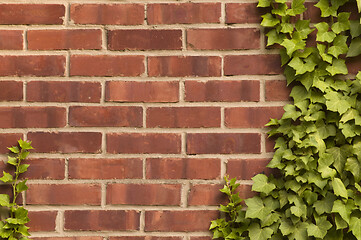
(318,146)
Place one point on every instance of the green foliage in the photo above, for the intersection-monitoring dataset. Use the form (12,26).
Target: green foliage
(12,227)
(318,146)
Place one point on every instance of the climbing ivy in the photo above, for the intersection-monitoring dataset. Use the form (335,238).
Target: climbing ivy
(317,194)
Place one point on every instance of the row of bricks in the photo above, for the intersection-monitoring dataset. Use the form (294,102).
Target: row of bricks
(132,168)
(134,65)
(132,39)
(124,220)
(132,116)
(124,238)
(144,91)
(142,143)
(127,194)
(134,14)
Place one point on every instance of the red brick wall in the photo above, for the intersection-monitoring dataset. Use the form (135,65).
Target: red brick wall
(136,110)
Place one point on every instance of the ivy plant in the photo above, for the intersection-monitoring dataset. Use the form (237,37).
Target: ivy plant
(317,194)
(12,226)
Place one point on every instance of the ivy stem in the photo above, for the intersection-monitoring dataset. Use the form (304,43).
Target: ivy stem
(15,193)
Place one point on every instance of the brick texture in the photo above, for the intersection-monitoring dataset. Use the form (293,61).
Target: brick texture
(136,111)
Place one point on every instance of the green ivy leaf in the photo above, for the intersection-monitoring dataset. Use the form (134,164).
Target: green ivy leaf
(353,165)
(355,48)
(340,208)
(339,155)
(338,67)
(6,177)
(14,149)
(12,161)
(339,46)
(323,35)
(339,188)
(293,45)
(319,230)
(4,200)
(302,67)
(303,28)
(355,28)
(21,186)
(355,227)
(256,208)
(290,112)
(342,23)
(297,7)
(322,51)
(258,233)
(264,3)
(286,28)
(269,20)
(325,205)
(326,9)
(261,184)
(273,37)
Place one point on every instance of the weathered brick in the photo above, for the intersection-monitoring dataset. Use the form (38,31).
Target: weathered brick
(144,194)
(141,91)
(31,14)
(66,142)
(247,168)
(173,13)
(106,65)
(223,39)
(206,194)
(223,143)
(243,13)
(11,91)
(179,221)
(145,39)
(222,91)
(32,117)
(94,168)
(183,117)
(42,221)
(63,194)
(252,65)
(276,90)
(7,140)
(32,65)
(182,66)
(64,39)
(67,238)
(183,168)
(101,220)
(251,117)
(11,39)
(63,91)
(112,116)
(107,14)
(143,143)
(145,238)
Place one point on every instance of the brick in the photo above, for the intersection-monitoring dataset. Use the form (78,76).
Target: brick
(64,39)
(31,14)
(222,91)
(101,220)
(7,189)
(313,13)
(32,117)
(63,91)
(251,117)
(145,39)
(183,66)
(66,142)
(106,65)
(353,64)
(247,168)
(183,168)
(95,168)
(223,143)
(186,13)
(143,143)
(201,238)
(144,194)
(223,39)
(63,194)
(145,238)
(277,90)
(11,39)
(270,143)
(32,65)
(252,65)
(107,14)
(8,140)
(67,238)
(179,221)
(11,91)
(206,194)
(183,117)
(141,91)
(112,116)
(45,168)
(243,13)
(42,221)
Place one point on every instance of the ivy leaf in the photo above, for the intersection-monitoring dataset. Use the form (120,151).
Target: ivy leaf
(6,177)
(339,188)
(269,20)
(355,28)
(320,229)
(340,208)
(26,145)
(355,227)
(299,93)
(261,184)
(342,23)
(303,28)
(293,45)
(297,7)
(258,233)
(353,165)
(339,46)
(326,9)
(14,149)
(23,168)
(302,67)
(290,112)
(256,208)
(23,230)
(339,155)
(273,37)
(355,48)
(4,200)
(322,51)
(300,232)
(264,3)
(351,114)
(336,103)
(12,161)
(323,35)
(338,67)
(325,205)
(21,186)
(286,27)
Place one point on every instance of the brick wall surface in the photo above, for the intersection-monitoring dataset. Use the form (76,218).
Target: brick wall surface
(136,109)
